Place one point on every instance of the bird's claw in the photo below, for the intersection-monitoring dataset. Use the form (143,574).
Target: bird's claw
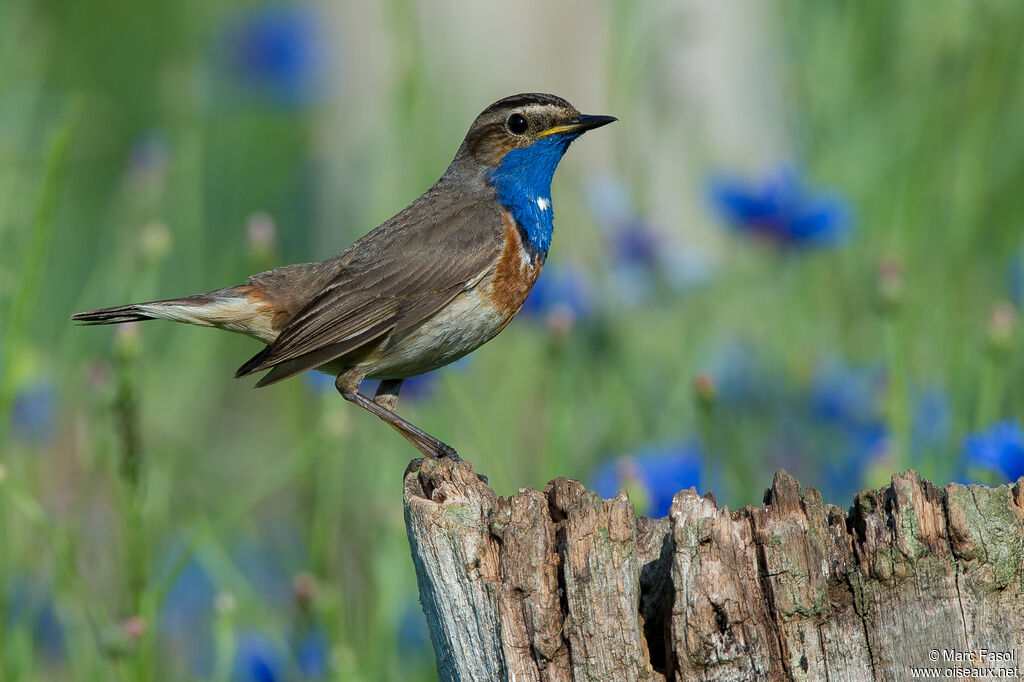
(446,451)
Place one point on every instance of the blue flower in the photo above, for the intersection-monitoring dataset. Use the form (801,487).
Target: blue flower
(149,157)
(421,385)
(275,52)
(29,604)
(560,291)
(258,658)
(781,209)
(413,388)
(825,431)
(311,650)
(642,259)
(632,240)
(1016,279)
(848,425)
(413,636)
(740,379)
(319,382)
(262,561)
(187,612)
(33,413)
(848,396)
(635,243)
(999,447)
(654,475)
(931,422)
(417,387)
(637,270)
(185,621)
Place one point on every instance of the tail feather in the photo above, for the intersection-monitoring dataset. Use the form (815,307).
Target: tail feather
(238,309)
(114,315)
(196,309)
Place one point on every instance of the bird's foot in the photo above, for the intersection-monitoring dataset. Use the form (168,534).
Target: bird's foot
(427,444)
(447,451)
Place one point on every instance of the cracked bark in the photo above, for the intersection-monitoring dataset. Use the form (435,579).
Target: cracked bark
(561,585)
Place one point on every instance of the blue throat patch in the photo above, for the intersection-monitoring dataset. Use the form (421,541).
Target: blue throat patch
(523,181)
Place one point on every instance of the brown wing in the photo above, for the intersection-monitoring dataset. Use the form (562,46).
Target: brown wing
(391,280)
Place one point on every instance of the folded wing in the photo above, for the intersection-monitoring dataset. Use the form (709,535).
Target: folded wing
(390,281)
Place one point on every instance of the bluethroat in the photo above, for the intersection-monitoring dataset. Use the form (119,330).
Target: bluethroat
(424,288)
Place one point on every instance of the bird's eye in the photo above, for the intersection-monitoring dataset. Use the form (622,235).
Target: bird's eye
(517,124)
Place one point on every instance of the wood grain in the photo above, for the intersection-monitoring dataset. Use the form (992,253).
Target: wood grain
(561,585)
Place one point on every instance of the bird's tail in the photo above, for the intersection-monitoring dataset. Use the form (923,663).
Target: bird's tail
(116,314)
(209,310)
(241,309)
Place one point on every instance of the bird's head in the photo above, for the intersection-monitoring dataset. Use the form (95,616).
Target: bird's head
(515,145)
(535,128)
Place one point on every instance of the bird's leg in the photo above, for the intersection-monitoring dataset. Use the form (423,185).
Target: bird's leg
(387,394)
(421,440)
(347,384)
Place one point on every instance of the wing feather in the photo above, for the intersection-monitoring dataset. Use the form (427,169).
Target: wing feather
(391,280)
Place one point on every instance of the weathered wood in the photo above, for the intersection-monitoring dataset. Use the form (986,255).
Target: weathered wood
(562,585)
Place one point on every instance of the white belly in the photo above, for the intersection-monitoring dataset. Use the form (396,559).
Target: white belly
(469,321)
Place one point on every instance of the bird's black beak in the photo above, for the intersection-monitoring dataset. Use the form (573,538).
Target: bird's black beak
(581,125)
(588,122)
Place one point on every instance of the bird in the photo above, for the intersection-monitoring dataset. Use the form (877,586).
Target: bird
(424,288)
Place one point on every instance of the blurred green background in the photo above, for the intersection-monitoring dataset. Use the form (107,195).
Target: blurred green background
(802,246)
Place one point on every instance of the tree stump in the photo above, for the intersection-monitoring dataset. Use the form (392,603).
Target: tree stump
(913,581)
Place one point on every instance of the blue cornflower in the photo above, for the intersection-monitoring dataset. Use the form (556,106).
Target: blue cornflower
(652,477)
(262,561)
(275,52)
(185,621)
(258,658)
(413,388)
(999,447)
(932,420)
(561,292)
(33,413)
(413,636)
(421,385)
(635,243)
(740,379)
(319,382)
(641,258)
(847,396)
(311,651)
(781,209)
(29,604)
(1016,279)
(847,426)
(187,613)
(149,157)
